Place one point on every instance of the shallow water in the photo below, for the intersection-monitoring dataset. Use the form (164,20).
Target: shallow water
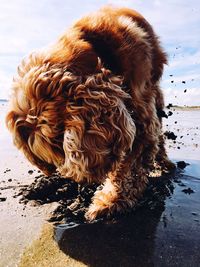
(165,234)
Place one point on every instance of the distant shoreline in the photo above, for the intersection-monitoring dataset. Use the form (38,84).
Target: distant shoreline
(184,108)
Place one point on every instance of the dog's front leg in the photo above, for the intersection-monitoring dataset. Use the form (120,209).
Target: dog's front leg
(120,192)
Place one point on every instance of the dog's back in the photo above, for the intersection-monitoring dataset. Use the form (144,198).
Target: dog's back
(120,37)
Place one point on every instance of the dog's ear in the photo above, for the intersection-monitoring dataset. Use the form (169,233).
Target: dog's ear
(21,132)
(35,104)
(98,128)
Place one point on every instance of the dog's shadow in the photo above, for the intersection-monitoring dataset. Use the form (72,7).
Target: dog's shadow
(129,241)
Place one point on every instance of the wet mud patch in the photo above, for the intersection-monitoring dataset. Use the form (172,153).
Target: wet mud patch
(73,199)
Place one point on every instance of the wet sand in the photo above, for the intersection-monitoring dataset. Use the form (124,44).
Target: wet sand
(164,232)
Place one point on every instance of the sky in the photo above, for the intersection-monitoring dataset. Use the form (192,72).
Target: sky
(29,25)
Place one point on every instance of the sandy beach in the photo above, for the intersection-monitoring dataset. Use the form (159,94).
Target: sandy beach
(164,234)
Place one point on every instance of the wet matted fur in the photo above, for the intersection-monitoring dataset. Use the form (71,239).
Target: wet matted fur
(88,107)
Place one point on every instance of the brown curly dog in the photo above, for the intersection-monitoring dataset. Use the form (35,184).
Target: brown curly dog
(89,105)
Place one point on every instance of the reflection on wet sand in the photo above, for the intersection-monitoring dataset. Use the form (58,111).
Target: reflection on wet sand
(164,231)
(129,242)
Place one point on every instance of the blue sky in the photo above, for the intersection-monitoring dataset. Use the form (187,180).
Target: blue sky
(28,25)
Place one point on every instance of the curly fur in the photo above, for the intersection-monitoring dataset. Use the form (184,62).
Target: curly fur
(88,107)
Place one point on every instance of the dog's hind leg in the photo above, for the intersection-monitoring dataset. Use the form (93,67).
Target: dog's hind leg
(161,158)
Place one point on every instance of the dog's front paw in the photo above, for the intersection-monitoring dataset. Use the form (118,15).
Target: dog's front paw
(95,212)
(103,205)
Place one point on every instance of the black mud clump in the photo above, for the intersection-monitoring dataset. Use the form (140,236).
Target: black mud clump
(170,113)
(2,199)
(170,135)
(170,105)
(188,191)
(162,114)
(48,189)
(7,170)
(182,164)
(73,199)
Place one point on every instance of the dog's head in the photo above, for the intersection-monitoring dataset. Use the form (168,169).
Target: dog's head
(76,124)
